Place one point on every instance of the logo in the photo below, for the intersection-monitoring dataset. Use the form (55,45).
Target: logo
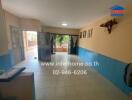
(117,10)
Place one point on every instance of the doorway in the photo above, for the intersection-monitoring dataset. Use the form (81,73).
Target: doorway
(61,43)
(30,44)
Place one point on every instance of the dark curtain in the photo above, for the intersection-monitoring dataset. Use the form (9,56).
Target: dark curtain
(44,46)
(73,45)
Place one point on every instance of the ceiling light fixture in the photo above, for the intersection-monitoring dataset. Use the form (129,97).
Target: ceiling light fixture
(64,24)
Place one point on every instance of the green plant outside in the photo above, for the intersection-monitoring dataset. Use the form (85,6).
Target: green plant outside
(60,39)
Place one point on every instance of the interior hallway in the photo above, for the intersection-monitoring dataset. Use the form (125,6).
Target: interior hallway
(69,87)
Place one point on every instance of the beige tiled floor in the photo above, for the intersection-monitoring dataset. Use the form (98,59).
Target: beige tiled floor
(69,87)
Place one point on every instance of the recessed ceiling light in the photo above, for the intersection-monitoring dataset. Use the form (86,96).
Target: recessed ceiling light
(64,24)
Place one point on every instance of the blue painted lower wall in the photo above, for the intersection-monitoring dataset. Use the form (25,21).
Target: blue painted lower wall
(6,61)
(110,68)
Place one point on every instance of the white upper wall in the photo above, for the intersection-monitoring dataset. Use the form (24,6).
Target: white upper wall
(3,33)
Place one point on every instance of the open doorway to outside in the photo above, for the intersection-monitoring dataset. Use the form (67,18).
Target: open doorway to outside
(30,44)
(61,44)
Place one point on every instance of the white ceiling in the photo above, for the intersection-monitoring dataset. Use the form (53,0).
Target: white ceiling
(76,13)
